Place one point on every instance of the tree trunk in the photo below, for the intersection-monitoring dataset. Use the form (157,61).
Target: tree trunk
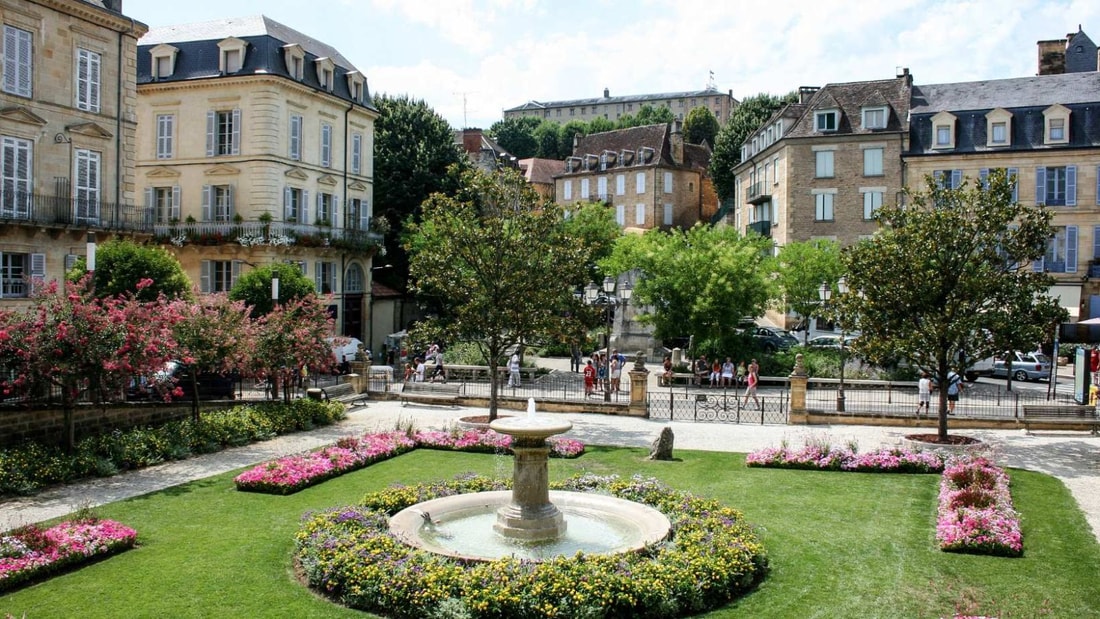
(492,387)
(943,372)
(194,395)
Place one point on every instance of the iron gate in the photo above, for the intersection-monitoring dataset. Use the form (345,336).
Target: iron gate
(771,407)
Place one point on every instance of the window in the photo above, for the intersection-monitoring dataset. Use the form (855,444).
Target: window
(15,178)
(296,137)
(1057,129)
(667,214)
(18,272)
(223,133)
(1013,176)
(823,206)
(166,133)
(567,190)
(601,187)
(943,135)
(163,203)
(294,204)
(1056,123)
(584,189)
(356,153)
(217,203)
(1061,254)
(620,214)
(639,182)
(775,171)
(86,187)
(297,67)
(18,63)
(874,118)
(326,145)
(824,164)
(87,80)
(325,275)
(620,184)
(353,278)
(294,57)
(639,215)
(872,202)
(999,134)
(232,60)
(668,182)
(219,275)
(872,162)
(358,217)
(326,209)
(163,66)
(825,121)
(163,60)
(1056,186)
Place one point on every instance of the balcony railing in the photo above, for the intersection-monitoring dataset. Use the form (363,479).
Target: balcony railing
(41,210)
(763,228)
(254,233)
(758,193)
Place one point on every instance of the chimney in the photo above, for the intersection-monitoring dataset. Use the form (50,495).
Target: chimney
(805,93)
(1052,57)
(471,140)
(676,143)
(606,93)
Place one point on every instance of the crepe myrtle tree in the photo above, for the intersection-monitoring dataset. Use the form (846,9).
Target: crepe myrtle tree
(948,268)
(290,337)
(215,333)
(501,264)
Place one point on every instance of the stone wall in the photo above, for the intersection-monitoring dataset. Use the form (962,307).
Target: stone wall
(46,424)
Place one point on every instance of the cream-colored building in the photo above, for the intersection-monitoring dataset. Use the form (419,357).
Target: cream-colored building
(68,113)
(612,108)
(255,145)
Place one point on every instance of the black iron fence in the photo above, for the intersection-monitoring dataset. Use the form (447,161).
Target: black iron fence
(84,213)
(769,406)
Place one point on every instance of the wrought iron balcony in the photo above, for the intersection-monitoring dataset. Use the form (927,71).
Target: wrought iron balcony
(758,193)
(84,213)
(763,228)
(255,233)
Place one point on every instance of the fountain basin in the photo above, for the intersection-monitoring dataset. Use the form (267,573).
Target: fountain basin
(531,427)
(462,526)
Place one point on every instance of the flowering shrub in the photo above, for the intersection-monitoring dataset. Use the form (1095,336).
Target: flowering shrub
(975,512)
(293,473)
(29,552)
(847,459)
(712,557)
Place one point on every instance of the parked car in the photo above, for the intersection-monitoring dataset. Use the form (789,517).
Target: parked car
(980,368)
(772,339)
(345,347)
(211,386)
(1025,366)
(830,341)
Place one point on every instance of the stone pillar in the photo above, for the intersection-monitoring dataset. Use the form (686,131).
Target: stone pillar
(798,378)
(530,515)
(360,374)
(639,387)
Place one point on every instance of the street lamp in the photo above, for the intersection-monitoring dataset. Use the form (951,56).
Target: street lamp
(826,293)
(595,295)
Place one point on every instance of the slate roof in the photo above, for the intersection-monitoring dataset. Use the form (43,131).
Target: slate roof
(541,105)
(1042,90)
(541,171)
(198,53)
(850,98)
(1084,60)
(655,137)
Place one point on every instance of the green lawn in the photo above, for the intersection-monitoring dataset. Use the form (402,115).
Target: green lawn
(840,544)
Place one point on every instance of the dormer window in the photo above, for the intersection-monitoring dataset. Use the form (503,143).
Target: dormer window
(874,117)
(943,130)
(1056,123)
(355,86)
(325,70)
(998,128)
(231,56)
(826,120)
(295,58)
(164,61)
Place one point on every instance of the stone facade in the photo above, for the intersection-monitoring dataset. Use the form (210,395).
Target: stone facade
(612,108)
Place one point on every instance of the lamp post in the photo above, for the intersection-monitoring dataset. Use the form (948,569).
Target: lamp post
(826,293)
(595,295)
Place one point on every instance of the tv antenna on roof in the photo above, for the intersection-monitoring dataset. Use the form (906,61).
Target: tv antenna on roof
(465,124)
(710,82)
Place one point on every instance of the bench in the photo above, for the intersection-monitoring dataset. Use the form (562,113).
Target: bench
(344,393)
(430,393)
(1064,414)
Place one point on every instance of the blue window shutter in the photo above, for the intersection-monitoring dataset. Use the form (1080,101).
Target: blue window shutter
(320,205)
(149,198)
(317,276)
(211,133)
(207,202)
(956,178)
(983,178)
(303,216)
(286,203)
(236,273)
(1040,185)
(236,135)
(335,214)
(1096,242)
(175,203)
(230,198)
(938,175)
(364,219)
(1098,184)
(1014,177)
(205,276)
(1071,249)
(1071,185)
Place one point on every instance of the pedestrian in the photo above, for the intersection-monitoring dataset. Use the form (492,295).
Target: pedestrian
(601,372)
(616,372)
(574,357)
(589,379)
(701,370)
(954,387)
(439,372)
(924,394)
(741,372)
(750,385)
(345,367)
(715,373)
(727,372)
(409,372)
(667,365)
(420,370)
(513,370)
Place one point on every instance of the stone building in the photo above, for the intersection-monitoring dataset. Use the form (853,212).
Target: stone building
(1074,54)
(68,113)
(255,145)
(612,108)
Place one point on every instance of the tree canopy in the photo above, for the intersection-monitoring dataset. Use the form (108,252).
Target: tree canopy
(502,263)
(948,270)
(701,125)
(746,118)
(697,282)
(121,264)
(254,287)
(517,135)
(801,267)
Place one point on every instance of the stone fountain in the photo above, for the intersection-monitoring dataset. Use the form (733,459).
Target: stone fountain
(529,522)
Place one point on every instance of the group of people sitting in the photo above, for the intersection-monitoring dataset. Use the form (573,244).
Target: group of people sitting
(417,371)
(603,372)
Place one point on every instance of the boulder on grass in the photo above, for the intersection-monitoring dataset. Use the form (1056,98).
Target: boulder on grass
(662,447)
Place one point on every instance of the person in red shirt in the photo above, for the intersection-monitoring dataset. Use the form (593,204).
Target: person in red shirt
(589,379)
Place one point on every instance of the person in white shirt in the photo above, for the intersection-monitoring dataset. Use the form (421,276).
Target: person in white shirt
(513,370)
(924,394)
(420,369)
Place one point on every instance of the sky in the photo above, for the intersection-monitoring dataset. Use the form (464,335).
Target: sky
(471,59)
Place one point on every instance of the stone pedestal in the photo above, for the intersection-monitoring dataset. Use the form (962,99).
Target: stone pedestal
(639,387)
(530,515)
(798,379)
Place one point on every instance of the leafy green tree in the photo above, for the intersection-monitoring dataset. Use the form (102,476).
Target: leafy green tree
(548,137)
(700,125)
(600,125)
(502,261)
(593,224)
(122,264)
(745,118)
(697,282)
(569,131)
(517,135)
(801,267)
(948,269)
(254,287)
(413,156)
(654,115)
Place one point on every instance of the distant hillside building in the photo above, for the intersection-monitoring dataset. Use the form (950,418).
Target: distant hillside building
(613,108)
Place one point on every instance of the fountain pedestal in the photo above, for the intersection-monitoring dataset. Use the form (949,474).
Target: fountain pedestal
(530,515)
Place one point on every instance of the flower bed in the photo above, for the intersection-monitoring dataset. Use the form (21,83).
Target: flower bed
(28,553)
(823,457)
(712,557)
(293,473)
(975,512)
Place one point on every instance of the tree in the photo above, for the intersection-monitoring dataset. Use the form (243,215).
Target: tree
(746,118)
(517,135)
(569,132)
(594,225)
(548,137)
(697,282)
(122,264)
(700,125)
(650,115)
(801,268)
(600,124)
(254,287)
(214,335)
(413,154)
(502,263)
(290,337)
(946,271)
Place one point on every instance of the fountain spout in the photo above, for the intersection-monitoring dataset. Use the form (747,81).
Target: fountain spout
(530,408)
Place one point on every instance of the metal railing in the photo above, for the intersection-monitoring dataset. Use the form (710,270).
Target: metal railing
(43,210)
(893,399)
(259,233)
(757,192)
